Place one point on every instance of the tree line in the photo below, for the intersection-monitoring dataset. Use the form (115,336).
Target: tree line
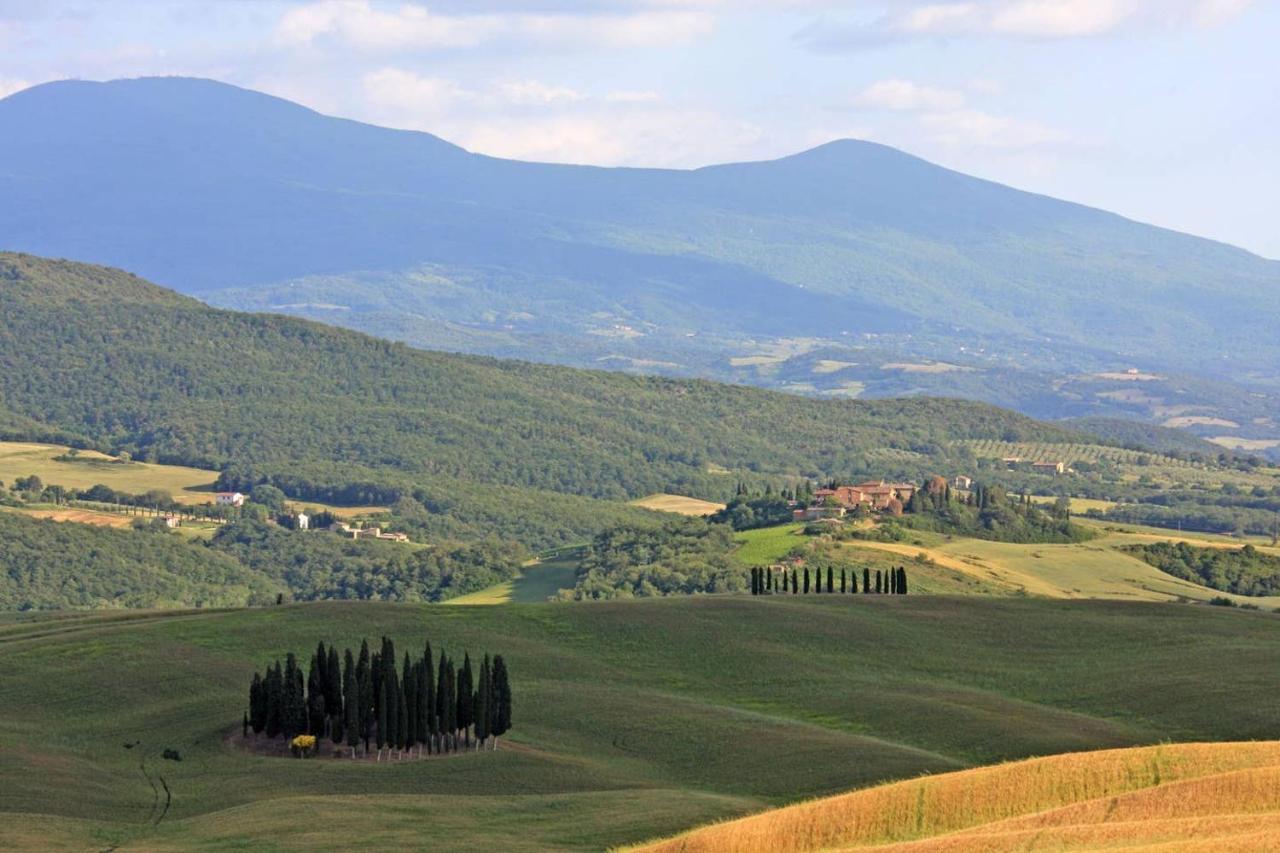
(766,581)
(363,701)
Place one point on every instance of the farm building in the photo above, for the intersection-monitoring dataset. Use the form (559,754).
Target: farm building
(1051,468)
(962,482)
(302,521)
(229,499)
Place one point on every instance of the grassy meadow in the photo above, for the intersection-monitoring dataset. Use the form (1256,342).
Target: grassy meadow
(679,504)
(20,459)
(1205,796)
(633,720)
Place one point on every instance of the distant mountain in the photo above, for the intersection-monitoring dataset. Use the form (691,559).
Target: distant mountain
(542,454)
(251,201)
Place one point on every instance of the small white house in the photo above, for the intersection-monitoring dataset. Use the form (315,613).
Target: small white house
(228,499)
(303,521)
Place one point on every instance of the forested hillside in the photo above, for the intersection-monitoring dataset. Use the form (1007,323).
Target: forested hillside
(333,415)
(47,565)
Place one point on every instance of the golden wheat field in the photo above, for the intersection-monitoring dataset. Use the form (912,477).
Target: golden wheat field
(1201,797)
(678,504)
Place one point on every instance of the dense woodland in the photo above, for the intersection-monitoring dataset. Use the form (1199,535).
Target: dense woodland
(319,565)
(989,512)
(1244,571)
(681,557)
(47,565)
(53,565)
(1228,511)
(361,702)
(332,415)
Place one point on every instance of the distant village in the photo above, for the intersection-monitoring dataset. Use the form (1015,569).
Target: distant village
(301,521)
(888,497)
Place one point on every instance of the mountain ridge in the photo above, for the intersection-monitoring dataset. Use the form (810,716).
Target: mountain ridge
(250,201)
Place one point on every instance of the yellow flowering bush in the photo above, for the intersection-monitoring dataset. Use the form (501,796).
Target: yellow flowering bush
(303,744)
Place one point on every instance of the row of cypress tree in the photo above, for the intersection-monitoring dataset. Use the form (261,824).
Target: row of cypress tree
(364,700)
(767,582)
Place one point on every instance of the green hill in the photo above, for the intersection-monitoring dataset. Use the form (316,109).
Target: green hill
(851,253)
(631,719)
(482,445)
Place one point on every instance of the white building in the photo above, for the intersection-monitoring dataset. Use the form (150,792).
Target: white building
(228,499)
(304,520)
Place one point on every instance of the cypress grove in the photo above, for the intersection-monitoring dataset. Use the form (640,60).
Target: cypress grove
(887,582)
(434,707)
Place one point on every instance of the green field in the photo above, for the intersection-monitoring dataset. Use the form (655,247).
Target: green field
(632,719)
(767,545)
(20,459)
(1093,569)
(537,582)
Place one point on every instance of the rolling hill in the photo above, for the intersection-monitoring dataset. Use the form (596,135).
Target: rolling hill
(852,254)
(537,453)
(1197,797)
(632,720)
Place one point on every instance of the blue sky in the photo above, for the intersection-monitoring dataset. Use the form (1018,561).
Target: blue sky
(1167,111)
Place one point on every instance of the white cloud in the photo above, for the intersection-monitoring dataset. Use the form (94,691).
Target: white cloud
(358,24)
(975,128)
(1212,13)
(9,85)
(538,94)
(395,92)
(648,137)
(534,120)
(361,25)
(1040,19)
(633,97)
(939,16)
(906,96)
(1061,18)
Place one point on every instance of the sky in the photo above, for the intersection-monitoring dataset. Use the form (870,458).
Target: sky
(1167,111)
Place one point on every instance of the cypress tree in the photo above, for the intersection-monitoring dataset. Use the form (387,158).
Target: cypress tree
(384,700)
(450,717)
(795,582)
(844,582)
(853,581)
(866,581)
(501,699)
(315,693)
(786,582)
(902,581)
(410,684)
(257,704)
(421,698)
(320,661)
(402,717)
(879,589)
(333,689)
(351,706)
(768,585)
(830,585)
(273,687)
(365,691)
(466,698)
(433,720)
(483,702)
(806,580)
(393,703)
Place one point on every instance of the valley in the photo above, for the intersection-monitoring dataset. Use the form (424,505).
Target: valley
(832,501)
(656,704)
